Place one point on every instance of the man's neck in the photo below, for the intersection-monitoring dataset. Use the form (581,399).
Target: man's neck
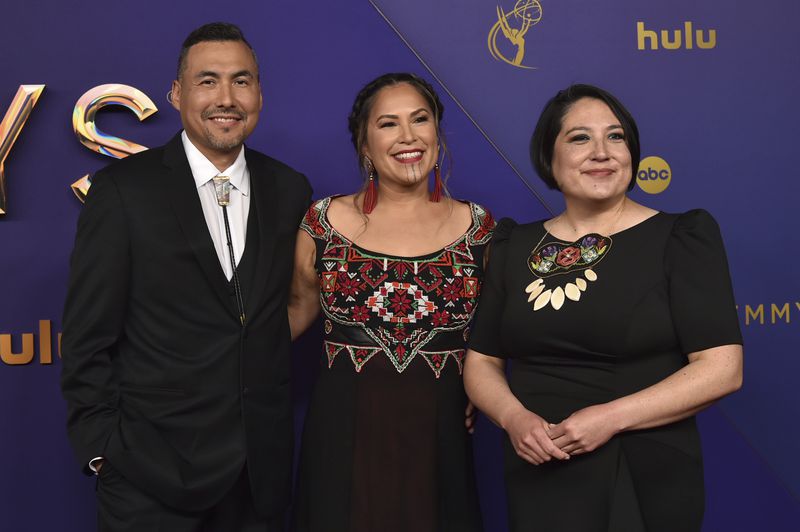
(221,160)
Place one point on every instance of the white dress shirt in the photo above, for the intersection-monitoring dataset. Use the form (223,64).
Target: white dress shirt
(238,208)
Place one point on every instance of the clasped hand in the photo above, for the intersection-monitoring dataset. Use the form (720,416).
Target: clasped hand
(583,431)
(537,441)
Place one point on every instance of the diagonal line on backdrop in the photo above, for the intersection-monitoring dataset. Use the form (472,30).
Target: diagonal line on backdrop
(778,478)
(466,113)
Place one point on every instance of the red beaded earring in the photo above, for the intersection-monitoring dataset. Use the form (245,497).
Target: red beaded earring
(436,195)
(371,192)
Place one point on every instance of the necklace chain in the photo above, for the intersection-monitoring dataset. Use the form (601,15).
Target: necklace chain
(574,229)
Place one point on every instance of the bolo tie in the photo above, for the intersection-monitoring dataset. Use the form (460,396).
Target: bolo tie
(222,187)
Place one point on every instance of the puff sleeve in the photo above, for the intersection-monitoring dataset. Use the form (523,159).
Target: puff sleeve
(701,296)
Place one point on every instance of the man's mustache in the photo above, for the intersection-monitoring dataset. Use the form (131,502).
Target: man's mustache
(227,112)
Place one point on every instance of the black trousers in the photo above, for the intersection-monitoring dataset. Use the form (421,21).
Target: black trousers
(122,507)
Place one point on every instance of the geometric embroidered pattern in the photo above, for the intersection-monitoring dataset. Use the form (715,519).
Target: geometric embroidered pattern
(359,355)
(400,303)
(397,306)
(436,360)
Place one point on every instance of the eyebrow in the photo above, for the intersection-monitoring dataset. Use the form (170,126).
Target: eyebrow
(395,117)
(212,74)
(584,128)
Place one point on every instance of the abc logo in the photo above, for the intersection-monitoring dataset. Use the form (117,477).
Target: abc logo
(654,175)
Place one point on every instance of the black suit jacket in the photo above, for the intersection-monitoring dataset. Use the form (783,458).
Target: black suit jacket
(159,375)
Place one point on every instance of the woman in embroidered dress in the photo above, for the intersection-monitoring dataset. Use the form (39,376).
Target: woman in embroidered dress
(621,324)
(396,270)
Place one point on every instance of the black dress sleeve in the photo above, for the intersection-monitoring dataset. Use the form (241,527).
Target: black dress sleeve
(485,336)
(701,297)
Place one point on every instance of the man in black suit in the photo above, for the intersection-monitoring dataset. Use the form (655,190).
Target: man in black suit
(175,357)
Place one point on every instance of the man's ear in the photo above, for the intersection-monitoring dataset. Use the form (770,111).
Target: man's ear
(175,94)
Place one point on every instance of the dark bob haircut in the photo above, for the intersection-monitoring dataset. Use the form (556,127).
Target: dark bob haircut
(212,32)
(550,121)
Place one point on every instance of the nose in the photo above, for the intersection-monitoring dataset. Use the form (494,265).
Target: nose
(406,133)
(600,151)
(225,95)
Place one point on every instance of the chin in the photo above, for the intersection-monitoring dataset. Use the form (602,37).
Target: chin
(225,144)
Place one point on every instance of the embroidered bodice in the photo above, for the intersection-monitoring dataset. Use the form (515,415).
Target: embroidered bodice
(402,308)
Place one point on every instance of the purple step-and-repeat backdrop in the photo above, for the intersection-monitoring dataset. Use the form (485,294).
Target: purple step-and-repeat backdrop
(712,84)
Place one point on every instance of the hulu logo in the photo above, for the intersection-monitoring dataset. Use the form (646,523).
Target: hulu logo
(686,38)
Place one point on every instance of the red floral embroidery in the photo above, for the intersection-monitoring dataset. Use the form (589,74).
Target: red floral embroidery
(400,303)
(452,291)
(360,313)
(348,286)
(440,318)
(568,256)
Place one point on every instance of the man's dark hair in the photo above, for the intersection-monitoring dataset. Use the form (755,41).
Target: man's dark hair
(549,126)
(212,32)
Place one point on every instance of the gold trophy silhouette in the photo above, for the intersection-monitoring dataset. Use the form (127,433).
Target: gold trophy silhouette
(514,25)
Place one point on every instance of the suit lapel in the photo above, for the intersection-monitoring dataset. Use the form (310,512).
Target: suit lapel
(262,187)
(182,193)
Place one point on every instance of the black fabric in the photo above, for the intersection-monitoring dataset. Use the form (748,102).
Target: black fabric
(159,375)
(384,447)
(122,507)
(663,290)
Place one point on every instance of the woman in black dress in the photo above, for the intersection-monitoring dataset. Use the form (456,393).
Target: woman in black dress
(396,269)
(621,324)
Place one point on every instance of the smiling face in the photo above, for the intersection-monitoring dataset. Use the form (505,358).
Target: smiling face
(219,97)
(401,137)
(591,160)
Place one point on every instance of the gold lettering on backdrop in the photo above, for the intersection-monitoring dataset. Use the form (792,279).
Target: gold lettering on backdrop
(757,315)
(45,342)
(779,313)
(687,30)
(782,312)
(686,38)
(15,359)
(514,25)
(83,123)
(11,126)
(642,34)
(671,45)
(707,44)
(28,353)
